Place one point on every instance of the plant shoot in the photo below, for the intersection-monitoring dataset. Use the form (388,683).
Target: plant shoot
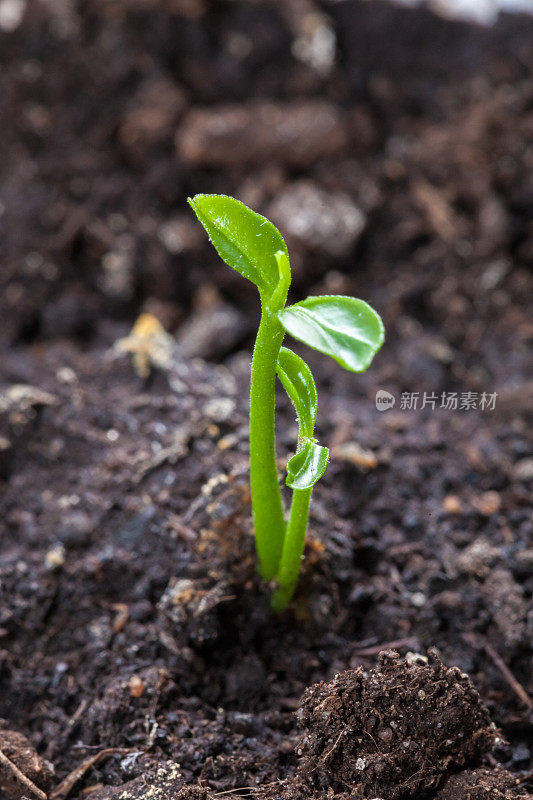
(345,328)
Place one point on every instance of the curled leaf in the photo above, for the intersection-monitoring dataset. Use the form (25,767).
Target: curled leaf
(307,466)
(298,382)
(245,240)
(347,329)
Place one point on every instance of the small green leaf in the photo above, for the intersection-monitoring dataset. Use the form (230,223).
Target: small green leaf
(344,328)
(299,384)
(246,241)
(307,466)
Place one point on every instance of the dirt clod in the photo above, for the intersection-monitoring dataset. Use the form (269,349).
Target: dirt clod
(296,134)
(193,793)
(165,783)
(393,730)
(27,762)
(508,606)
(482,784)
(329,221)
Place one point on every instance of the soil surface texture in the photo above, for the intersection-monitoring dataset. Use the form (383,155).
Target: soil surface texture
(138,654)
(395,731)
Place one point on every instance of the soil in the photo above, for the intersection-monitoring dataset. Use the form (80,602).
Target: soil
(395,731)
(138,655)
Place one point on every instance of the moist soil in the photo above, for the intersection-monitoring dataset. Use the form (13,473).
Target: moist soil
(136,642)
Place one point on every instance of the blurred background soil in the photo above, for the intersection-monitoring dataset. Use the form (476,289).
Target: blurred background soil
(393,148)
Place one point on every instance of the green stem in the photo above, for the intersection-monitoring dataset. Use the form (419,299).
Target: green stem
(267,507)
(293,547)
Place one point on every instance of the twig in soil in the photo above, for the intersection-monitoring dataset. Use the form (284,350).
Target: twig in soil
(73,721)
(123,615)
(67,784)
(326,755)
(517,688)
(480,644)
(525,777)
(21,777)
(410,641)
(170,454)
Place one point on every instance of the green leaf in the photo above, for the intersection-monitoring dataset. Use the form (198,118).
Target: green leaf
(298,382)
(246,241)
(344,328)
(307,466)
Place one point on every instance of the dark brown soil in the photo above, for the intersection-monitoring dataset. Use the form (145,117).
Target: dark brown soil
(480,784)
(134,633)
(392,732)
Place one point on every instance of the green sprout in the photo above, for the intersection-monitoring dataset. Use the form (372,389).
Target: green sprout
(344,328)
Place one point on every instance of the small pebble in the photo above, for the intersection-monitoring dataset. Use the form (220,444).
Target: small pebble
(55,557)
(451,504)
(418,599)
(488,503)
(136,686)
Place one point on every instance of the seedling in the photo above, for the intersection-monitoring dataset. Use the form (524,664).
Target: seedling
(344,328)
